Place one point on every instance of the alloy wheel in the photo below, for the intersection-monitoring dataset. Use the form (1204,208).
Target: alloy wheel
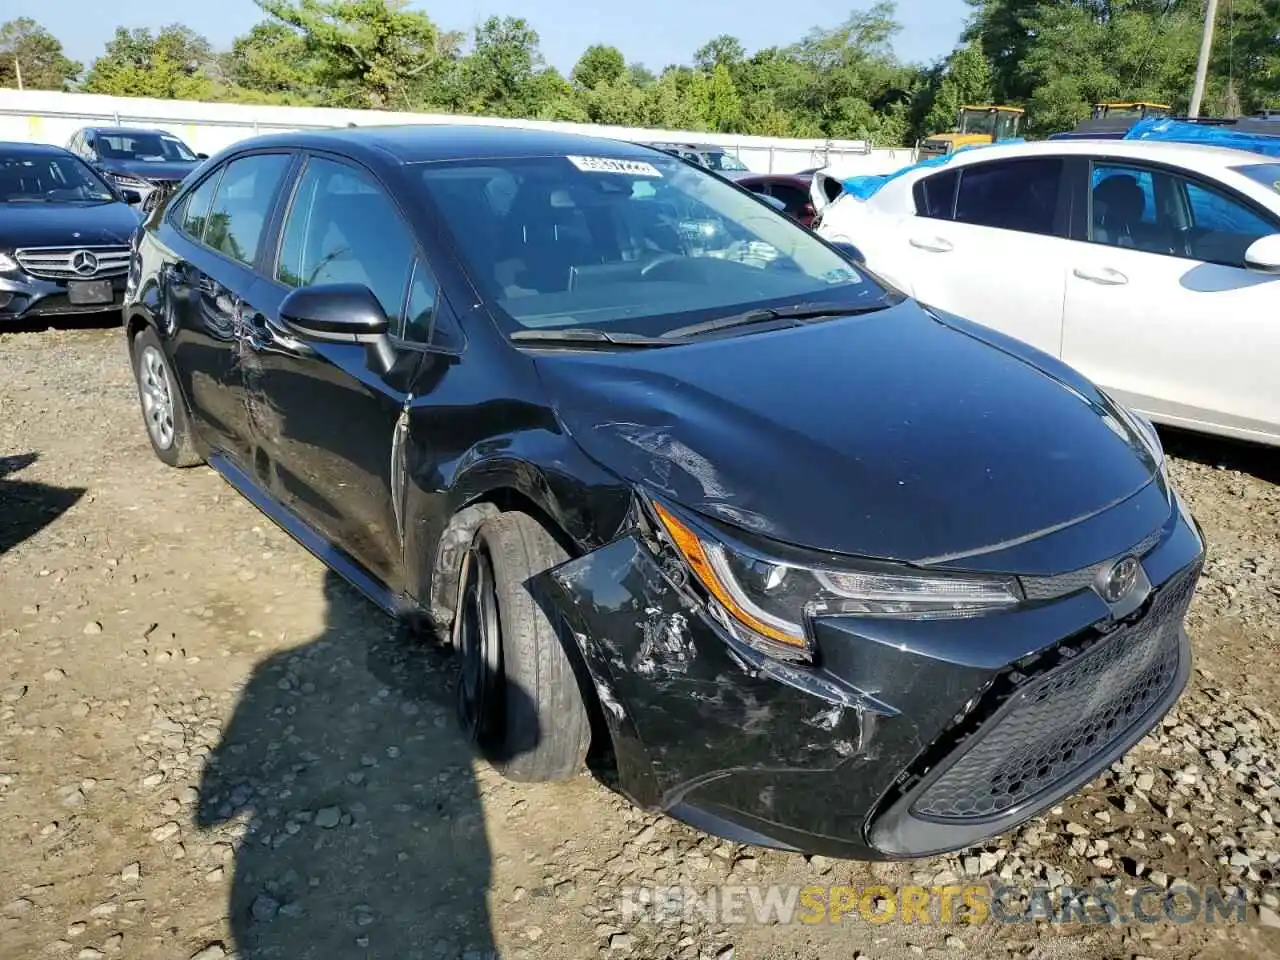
(154,386)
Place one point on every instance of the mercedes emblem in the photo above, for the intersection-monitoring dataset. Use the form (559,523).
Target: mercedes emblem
(84,262)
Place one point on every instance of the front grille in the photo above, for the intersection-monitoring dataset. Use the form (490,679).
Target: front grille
(1050,588)
(1066,717)
(56,263)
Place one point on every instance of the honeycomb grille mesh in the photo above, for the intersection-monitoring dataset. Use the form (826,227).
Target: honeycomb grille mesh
(1065,718)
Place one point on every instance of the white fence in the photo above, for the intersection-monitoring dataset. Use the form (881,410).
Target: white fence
(44,117)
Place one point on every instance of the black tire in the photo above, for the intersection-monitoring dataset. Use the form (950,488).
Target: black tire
(170,434)
(518,696)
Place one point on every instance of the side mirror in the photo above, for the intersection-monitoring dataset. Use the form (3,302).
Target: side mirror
(202,156)
(131,197)
(850,251)
(341,313)
(1263,256)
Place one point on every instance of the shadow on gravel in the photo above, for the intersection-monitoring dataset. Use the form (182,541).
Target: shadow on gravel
(66,321)
(27,508)
(365,834)
(1252,458)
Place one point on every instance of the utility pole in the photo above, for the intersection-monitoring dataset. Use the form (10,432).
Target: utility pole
(1202,68)
(17,68)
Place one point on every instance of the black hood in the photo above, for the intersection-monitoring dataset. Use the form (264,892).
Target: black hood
(66,224)
(899,434)
(152,171)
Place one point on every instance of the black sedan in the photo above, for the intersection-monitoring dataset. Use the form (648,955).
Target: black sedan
(64,235)
(150,162)
(830,570)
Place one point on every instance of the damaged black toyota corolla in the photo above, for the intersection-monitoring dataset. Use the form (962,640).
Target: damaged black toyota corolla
(832,570)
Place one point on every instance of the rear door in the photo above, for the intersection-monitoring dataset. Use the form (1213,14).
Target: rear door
(989,242)
(1161,310)
(214,238)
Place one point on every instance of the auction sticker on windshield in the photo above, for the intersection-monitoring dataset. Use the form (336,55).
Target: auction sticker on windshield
(635,168)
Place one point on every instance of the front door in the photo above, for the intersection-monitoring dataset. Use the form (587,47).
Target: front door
(1161,310)
(208,277)
(325,423)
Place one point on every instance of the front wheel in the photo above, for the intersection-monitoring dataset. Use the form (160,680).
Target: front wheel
(518,696)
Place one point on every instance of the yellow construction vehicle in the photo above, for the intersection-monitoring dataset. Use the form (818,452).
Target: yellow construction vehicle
(1130,111)
(974,126)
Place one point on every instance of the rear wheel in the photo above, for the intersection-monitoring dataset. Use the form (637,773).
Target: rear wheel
(163,410)
(518,697)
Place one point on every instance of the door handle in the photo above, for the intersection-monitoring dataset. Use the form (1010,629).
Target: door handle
(932,244)
(1105,276)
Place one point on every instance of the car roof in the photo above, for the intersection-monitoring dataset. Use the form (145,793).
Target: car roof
(1195,155)
(425,143)
(127,130)
(15,148)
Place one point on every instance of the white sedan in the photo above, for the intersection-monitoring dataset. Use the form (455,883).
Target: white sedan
(1153,268)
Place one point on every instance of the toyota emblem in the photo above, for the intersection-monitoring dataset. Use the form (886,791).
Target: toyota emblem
(84,262)
(1120,580)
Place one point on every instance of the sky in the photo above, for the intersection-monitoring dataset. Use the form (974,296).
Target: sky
(656,33)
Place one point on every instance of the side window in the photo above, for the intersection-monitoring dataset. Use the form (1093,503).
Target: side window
(1222,229)
(243,203)
(195,209)
(1128,207)
(793,197)
(1017,195)
(936,195)
(420,314)
(341,228)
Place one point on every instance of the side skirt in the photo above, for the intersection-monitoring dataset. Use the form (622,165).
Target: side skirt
(395,605)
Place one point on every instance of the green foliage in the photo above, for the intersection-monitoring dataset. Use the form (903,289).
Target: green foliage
(1054,57)
(29,47)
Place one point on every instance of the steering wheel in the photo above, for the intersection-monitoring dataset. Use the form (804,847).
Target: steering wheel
(658,261)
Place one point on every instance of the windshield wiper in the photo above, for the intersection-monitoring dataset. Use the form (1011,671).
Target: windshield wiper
(587,336)
(797,315)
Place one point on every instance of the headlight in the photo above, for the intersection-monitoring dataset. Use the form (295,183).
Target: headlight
(124,180)
(767,603)
(8,263)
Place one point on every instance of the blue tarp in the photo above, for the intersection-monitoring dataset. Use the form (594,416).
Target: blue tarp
(1177,131)
(866,187)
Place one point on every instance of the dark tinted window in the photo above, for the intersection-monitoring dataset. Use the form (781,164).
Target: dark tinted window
(342,228)
(936,195)
(420,315)
(243,203)
(195,209)
(1011,195)
(793,197)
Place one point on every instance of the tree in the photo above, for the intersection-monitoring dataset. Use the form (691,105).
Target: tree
(368,53)
(170,65)
(599,64)
(274,59)
(965,78)
(29,47)
(723,50)
(498,75)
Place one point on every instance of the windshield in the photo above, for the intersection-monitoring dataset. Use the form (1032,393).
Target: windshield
(724,161)
(628,246)
(1267,174)
(143,147)
(50,178)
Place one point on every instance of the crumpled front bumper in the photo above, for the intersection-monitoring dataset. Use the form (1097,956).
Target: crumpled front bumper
(906,739)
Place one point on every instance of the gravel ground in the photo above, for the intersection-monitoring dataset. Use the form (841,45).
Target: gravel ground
(211,748)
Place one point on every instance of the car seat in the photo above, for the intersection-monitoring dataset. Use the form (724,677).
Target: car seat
(1118,205)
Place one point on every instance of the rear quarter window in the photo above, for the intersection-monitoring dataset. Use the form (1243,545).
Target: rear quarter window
(936,196)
